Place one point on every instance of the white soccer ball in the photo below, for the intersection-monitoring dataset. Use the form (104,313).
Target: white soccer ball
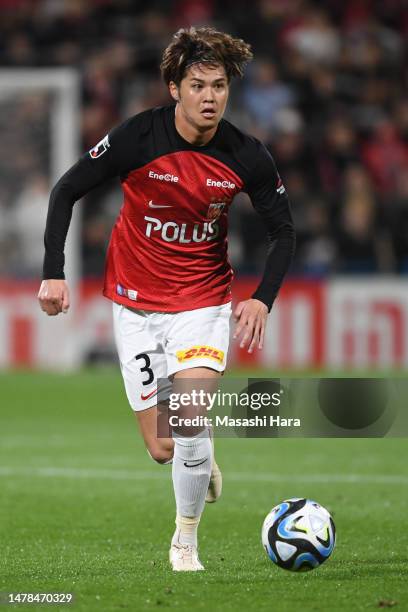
(298,534)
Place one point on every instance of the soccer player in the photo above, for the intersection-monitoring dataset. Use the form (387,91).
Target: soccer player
(167,270)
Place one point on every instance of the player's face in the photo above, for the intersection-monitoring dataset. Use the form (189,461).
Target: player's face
(202,96)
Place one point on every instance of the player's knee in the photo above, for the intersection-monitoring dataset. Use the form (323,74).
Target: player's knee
(160,455)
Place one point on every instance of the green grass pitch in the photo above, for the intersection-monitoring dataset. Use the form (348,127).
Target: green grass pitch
(84,510)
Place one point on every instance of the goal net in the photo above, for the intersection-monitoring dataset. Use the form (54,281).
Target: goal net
(39,141)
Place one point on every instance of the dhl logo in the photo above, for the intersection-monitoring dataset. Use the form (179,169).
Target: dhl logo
(196,352)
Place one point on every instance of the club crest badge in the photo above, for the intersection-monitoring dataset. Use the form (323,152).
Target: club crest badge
(215,210)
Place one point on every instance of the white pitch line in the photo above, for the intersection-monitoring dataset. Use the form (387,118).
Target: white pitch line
(163,474)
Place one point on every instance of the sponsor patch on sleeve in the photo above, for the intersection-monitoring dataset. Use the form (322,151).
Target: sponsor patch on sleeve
(100,148)
(200,352)
(280,188)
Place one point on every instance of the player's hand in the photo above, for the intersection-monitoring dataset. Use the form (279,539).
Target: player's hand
(54,297)
(251,316)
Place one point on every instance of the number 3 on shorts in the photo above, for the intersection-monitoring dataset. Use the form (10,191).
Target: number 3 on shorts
(146,368)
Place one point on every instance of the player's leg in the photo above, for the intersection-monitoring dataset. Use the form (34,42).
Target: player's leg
(140,348)
(139,341)
(160,448)
(191,471)
(215,485)
(197,351)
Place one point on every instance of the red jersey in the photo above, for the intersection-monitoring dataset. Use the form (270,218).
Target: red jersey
(168,248)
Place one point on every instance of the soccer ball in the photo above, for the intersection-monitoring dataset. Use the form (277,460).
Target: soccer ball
(298,534)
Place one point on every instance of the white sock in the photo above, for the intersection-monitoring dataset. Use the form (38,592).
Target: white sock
(191,474)
(186,530)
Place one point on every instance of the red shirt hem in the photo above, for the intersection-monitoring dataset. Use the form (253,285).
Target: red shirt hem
(192,305)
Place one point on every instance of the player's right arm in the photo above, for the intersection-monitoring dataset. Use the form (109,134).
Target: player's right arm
(54,296)
(91,170)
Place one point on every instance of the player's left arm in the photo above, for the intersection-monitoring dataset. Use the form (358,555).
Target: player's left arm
(270,200)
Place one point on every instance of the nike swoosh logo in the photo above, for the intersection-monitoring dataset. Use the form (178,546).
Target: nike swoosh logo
(194,464)
(152,205)
(146,397)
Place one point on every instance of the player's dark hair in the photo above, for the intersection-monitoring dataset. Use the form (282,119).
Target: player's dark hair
(195,45)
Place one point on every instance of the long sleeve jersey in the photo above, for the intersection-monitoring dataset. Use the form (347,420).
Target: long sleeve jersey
(168,248)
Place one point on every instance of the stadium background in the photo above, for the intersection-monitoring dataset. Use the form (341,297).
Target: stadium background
(327,93)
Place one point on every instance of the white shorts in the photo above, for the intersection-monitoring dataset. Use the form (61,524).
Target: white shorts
(155,345)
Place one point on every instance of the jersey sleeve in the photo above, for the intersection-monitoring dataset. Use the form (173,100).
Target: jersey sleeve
(270,200)
(102,162)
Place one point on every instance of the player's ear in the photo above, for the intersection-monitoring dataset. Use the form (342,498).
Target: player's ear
(174,91)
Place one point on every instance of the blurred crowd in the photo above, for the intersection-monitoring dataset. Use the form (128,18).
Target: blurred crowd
(327,93)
